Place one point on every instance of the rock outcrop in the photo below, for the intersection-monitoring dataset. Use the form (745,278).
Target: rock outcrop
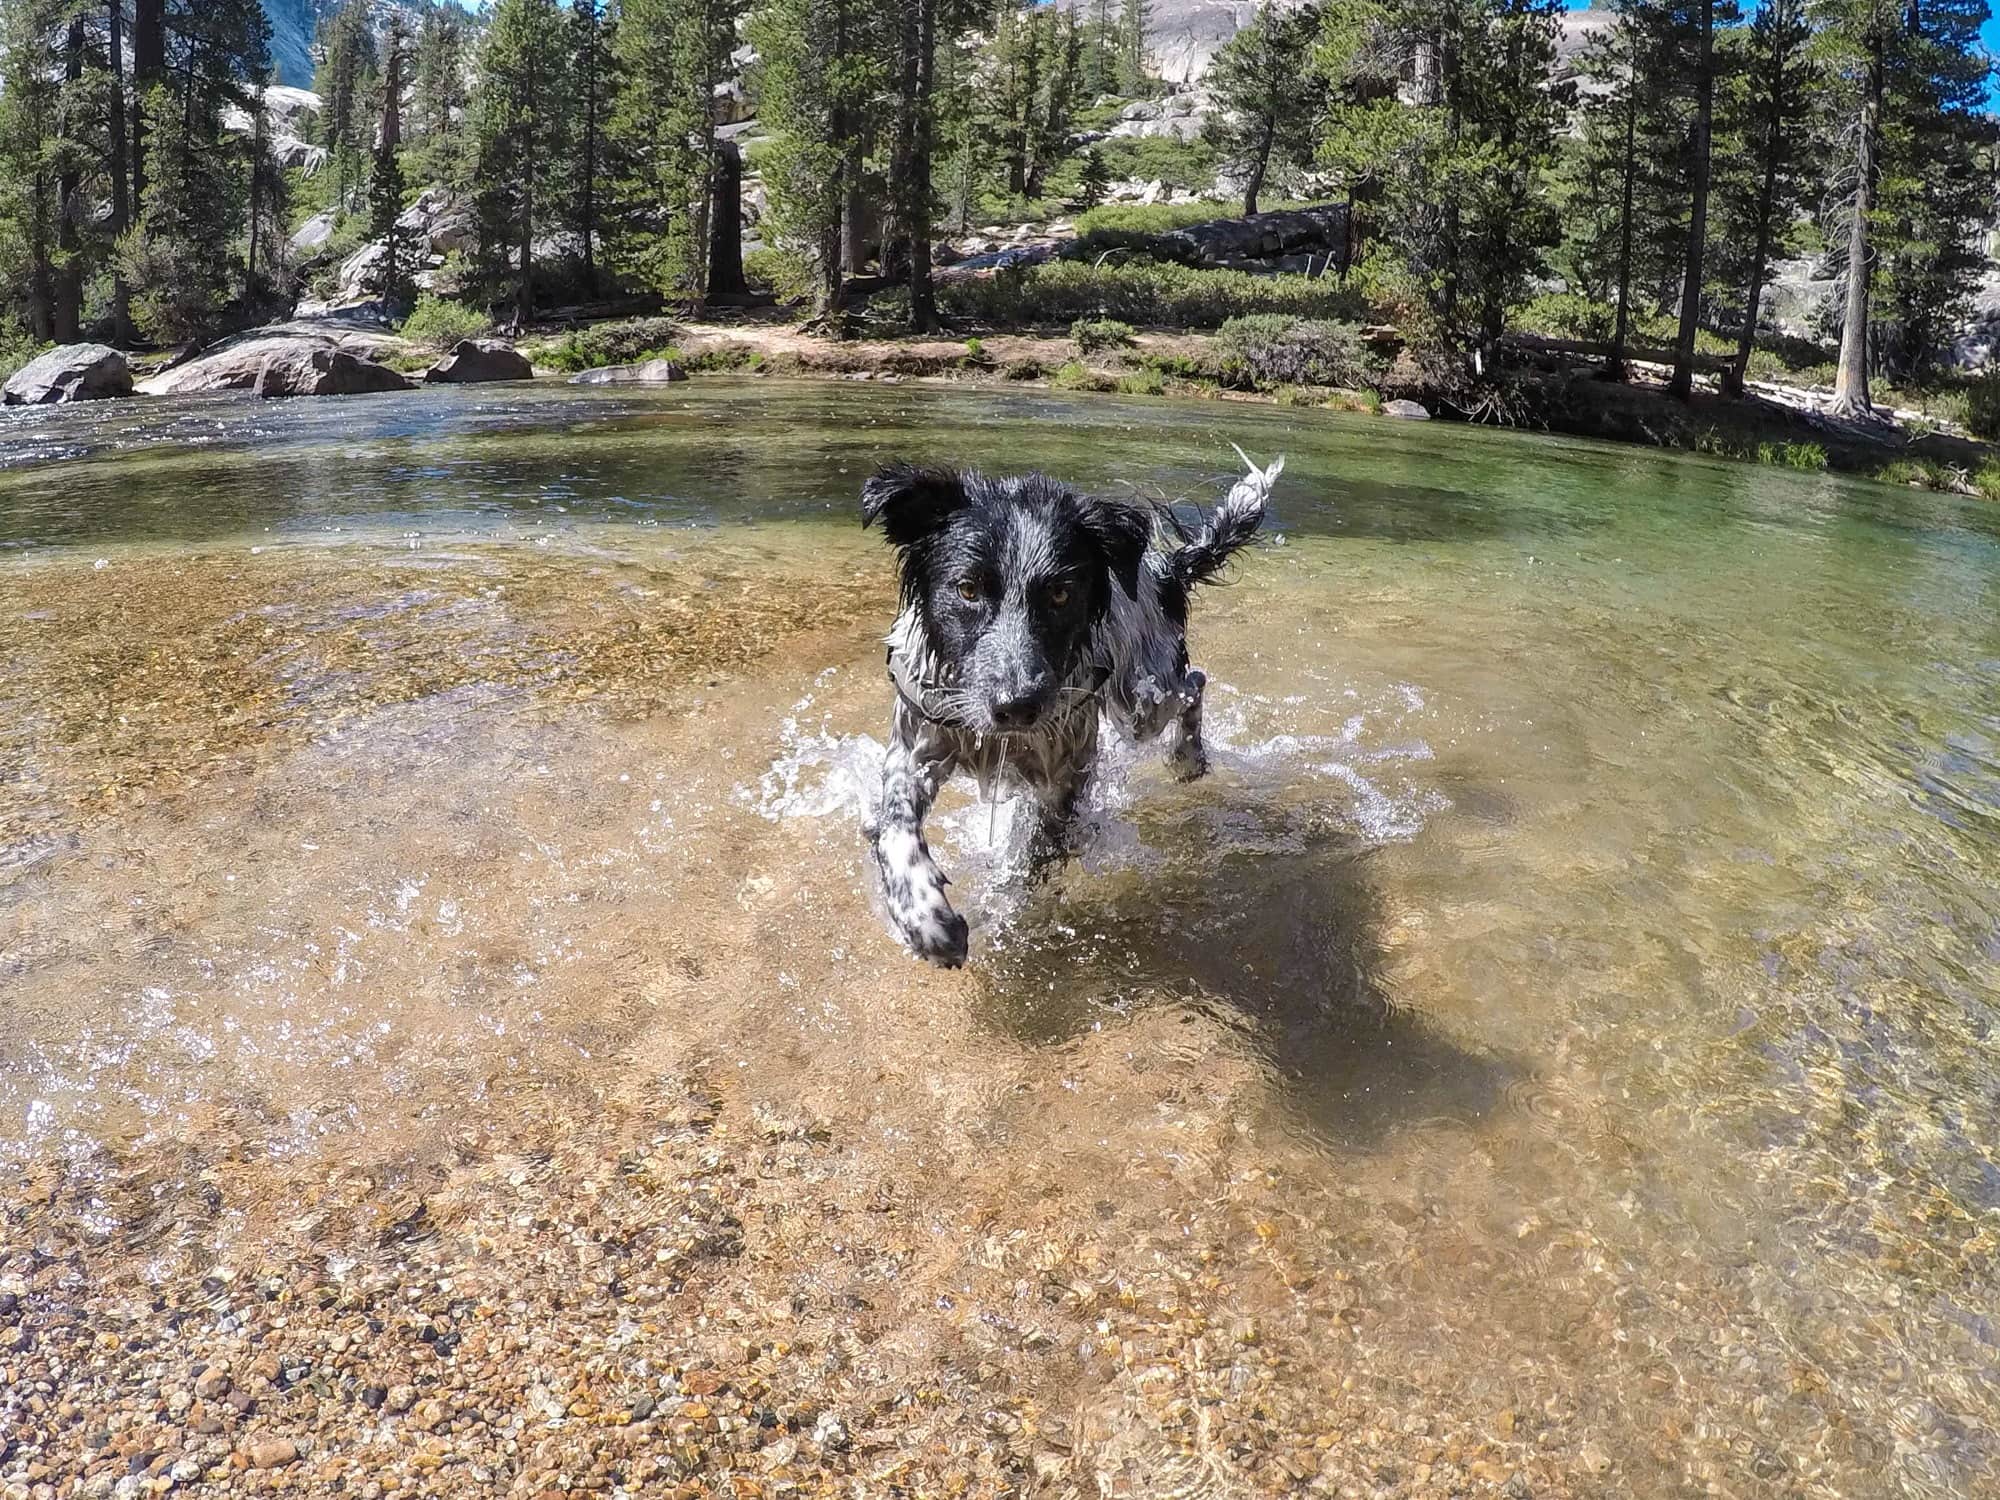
(479,361)
(280,362)
(652,372)
(74,372)
(1261,237)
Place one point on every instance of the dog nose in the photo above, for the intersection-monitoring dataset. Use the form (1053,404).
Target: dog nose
(1019,712)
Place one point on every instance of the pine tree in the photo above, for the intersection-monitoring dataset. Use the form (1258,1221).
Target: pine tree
(266,243)
(1093,180)
(1134,21)
(30,92)
(1760,188)
(519,164)
(345,81)
(594,91)
(1933,199)
(1699,71)
(822,69)
(182,257)
(668,55)
(439,97)
(1100,50)
(1269,97)
(397,278)
(1455,175)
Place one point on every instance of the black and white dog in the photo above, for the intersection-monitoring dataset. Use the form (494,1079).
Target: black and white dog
(1028,609)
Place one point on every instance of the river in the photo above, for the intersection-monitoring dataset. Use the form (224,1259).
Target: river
(1553,1053)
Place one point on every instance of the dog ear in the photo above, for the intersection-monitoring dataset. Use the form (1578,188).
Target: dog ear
(1121,533)
(910,502)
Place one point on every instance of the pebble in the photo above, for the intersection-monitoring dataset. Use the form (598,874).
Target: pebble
(272,1453)
(401,1397)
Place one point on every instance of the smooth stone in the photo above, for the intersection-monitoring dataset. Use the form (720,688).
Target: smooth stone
(478,361)
(1408,411)
(652,372)
(73,372)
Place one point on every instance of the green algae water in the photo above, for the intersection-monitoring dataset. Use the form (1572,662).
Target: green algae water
(1562,1026)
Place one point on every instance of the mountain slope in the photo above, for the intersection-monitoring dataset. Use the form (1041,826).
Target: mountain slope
(292,23)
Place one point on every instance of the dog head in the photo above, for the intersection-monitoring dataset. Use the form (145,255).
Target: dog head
(1008,576)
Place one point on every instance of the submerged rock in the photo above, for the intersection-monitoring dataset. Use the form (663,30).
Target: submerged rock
(652,372)
(289,363)
(476,361)
(74,372)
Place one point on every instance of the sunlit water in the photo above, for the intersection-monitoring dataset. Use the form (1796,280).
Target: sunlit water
(1587,945)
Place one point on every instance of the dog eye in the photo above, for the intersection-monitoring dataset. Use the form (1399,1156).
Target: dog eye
(969,590)
(1059,595)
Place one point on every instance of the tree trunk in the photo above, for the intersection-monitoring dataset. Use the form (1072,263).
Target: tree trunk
(1682,384)
(854,218)
(1614,362)
(149,69)
(725,223)
(586,215)
(1850,384)
(923,296)
(70,207)
(121,181)
(1767,194)
(1260,164)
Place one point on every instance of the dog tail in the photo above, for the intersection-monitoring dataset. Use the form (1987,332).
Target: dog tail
(1207,548)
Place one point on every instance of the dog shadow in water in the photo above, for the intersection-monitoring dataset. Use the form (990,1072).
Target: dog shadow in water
(1270,916)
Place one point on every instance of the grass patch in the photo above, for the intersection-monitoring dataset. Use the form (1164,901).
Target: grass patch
(1023,369)
(1061,292)
(440,324)
(626,342)
(1807,456)
(1142,383)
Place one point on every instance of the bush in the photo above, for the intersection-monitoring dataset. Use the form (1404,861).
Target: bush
(1565,315)
(1987,481)
(1181,166)
(1149,218)
(1091,335)
(785,274)
(440,324)
(1982,406)
(623,343)
(1279,350)
(1142,383)
(1022,369)
(1147,292)
(16,349)
(1077,376)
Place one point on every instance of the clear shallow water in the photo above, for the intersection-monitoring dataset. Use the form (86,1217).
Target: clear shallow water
(1586,950)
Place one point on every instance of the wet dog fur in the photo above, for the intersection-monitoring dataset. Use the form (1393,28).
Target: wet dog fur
(1029,610)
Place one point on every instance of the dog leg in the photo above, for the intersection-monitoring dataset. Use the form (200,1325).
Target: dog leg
(1189,757)
(917,764)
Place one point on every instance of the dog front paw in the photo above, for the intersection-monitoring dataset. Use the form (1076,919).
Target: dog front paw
(939,937)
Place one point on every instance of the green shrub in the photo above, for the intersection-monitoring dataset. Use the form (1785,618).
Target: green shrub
(1142,383)
(629,341)
(1982,405)
(1279,350)
(1077,376)
(975,352)
(1565,315)
(1140,293)
(785,274)
(1150,218)
(1292,395)
(1092,335)
(1023,369)
(1181,166)
(1809,456)
(16,349)
(439,324)
(1987,481)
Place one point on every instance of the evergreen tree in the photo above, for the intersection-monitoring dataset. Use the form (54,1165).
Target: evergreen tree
(1455,175)
(30,92)
(1100,50)
(1698,22)
(822,70)
(266,243)
(397,279)
(439,97)
(1093,179)
(1269,97)
(1134,21)
(668,56)
(592,103)
(345,81)
(520,160)
(1760,187)
(182,257)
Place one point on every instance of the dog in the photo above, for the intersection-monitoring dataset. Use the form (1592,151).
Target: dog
(1027,611)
